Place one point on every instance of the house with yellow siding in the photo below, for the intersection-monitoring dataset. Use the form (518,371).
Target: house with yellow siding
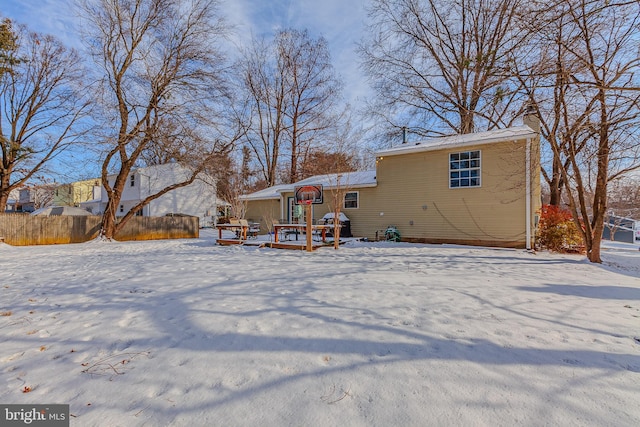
(346,189)
(475,189)
(77,192)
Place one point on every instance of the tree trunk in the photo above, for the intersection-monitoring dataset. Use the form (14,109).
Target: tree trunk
(466,122)
(555,186)
(4,192)
(593,252)
(108,227)
(336,227)
(293,170)
(600,196)
(4,197)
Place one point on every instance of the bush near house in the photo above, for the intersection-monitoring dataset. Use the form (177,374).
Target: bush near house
(557,231)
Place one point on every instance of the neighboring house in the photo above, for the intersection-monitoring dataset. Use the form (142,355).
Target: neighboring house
(77,192)
(11,206)
(622,229)
(477,189)
(12,202)
(197,199)
(26,200)
(33,197)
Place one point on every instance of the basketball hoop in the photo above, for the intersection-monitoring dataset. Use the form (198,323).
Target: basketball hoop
(308,194)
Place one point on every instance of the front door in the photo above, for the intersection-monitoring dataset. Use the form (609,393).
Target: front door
(296,213)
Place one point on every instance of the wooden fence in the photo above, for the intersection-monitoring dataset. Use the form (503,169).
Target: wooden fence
(23,230)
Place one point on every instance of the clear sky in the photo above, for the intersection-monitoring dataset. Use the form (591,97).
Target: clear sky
(341,22)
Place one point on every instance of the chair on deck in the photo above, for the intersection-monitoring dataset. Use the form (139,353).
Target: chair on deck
(238,222)
(253,230)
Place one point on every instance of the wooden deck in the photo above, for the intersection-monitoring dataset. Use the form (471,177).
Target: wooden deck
(230,242)
(274,245)
(292,246)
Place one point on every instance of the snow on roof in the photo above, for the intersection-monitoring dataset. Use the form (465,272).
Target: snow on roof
(267,193)
(479,138)
(349,179)
(61,210)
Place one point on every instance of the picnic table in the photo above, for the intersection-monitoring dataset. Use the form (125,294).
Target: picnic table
(322,228)
(240,229)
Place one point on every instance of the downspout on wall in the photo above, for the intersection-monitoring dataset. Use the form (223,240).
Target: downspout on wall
(282,207)
(529,195)
(530,119)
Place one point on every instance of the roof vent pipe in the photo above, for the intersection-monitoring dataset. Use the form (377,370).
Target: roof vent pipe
(404,134)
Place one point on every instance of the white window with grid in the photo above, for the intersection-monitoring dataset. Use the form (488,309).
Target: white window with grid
(464,169)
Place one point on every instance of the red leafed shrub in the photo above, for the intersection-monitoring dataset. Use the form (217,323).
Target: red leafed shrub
(557,231)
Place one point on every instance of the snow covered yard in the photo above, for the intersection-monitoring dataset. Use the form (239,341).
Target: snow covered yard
(186,333)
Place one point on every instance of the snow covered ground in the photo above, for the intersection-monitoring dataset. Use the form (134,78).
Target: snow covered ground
(187,333)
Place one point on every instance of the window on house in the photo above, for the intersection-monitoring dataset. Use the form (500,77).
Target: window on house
(464,169)
(133,180)
(121,208)
(351,200)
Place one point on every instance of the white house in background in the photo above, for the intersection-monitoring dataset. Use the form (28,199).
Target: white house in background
(31,197)
(196,199)
(12,202)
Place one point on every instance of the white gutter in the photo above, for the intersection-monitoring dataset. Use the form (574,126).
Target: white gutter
(528,192)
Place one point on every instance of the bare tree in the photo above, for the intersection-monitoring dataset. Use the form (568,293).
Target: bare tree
(320,162)
(624,197)
(162,76)
(623,206)
(235,182)
(232,194)
(339,189)
(8,46)
(313,96)
(42,104)
(292,95)
(443,66)
(42,193)
(262,112)
(544,72)
(341,164)
(592,103)
(343,154)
